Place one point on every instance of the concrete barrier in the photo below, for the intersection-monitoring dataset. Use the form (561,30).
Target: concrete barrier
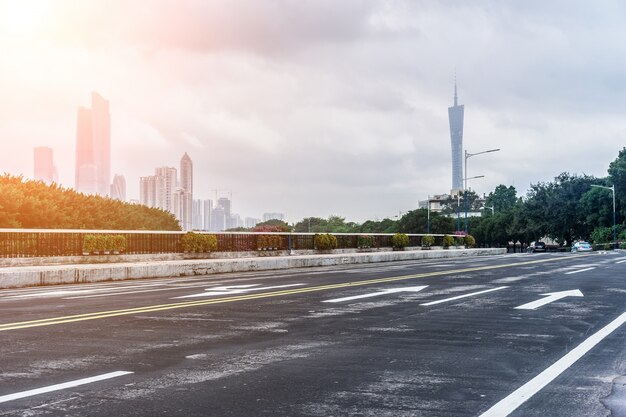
(13,277)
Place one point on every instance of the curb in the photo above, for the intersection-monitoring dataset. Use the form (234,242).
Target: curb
(15,277)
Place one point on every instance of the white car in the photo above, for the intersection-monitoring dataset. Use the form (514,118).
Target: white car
(582,247)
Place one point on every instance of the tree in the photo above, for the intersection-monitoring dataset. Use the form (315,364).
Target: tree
(617,176)
(502,198)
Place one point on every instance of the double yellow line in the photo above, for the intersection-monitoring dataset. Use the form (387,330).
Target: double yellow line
(172,306)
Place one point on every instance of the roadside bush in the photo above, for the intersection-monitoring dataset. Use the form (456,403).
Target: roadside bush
(459,240)
(622,245)
(448,241)
(268,242)
(325,241)
(101,243)
(602,235)
(428,241)
(196,242)
(470,242)
(119,243)
(89,243)
(400,241)
(364,242)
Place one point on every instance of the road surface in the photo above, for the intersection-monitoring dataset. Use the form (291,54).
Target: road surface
(519,335)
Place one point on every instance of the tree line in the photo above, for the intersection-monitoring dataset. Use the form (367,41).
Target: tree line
(36,205)
(564,209)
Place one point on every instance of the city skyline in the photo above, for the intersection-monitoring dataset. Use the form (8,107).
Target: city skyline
(343,112)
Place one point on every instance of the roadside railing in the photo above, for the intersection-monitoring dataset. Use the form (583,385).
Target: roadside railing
(26,243)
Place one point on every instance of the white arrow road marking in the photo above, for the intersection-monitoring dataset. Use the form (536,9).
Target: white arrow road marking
(579,270)
(235,289)
(550,297)
(377,294)
(59,387)
(509,404)
(458,297)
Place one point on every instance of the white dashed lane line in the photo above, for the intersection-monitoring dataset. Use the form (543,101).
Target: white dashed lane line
(65,385)
(580,270)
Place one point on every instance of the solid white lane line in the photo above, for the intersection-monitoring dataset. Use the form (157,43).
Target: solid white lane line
(580,270)
(510,403)
(58,387)
(458,297)
(621,262)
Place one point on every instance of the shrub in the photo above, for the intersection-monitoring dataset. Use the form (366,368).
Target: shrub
(364,242)
(448,241)
(119,243)
(196,242)
(428,241)
(622,245)
(89,243)
(325,241)
(459,240)
(470,242)
(268,242)
(602,235)
(101,243)
(209,243)
(400,241)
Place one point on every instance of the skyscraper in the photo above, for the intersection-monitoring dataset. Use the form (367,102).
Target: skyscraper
(455,115)
(147,191)
(165,188)
(93,147)
(186,185)
(118,187)
(44,164)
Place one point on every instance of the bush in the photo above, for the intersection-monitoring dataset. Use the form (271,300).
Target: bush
(196,242)
(459,240)
(448,241)
(602,235)
(622,245)
(101,243)
(364,242)
(428,241)
(400,241)
(325,241)
(89,243)
(470,242)
(119,243)
(268,242)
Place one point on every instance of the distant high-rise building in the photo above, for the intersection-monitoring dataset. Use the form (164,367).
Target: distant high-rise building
(218,219)
(250,222)
(198,215)
(208,213)
(93,147)
(181,206)
(165,188)
(147,191)
(186,184)
(273,216)
(455,116)
(118,187)
(44,164)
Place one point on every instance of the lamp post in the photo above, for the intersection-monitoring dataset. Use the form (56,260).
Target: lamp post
(465,198)
(612,188)
(493,210)
(467,156)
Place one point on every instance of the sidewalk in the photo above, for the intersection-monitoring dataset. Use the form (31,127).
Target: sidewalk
(28,276)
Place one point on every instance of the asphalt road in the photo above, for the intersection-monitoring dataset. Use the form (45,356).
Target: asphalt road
(468,337)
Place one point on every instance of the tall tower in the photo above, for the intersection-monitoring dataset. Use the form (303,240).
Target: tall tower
(186,194)
(93,147)
(455,115)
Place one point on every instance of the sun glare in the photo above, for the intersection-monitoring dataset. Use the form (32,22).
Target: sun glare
(22,17)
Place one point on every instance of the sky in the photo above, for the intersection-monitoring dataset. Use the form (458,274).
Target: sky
(318,107)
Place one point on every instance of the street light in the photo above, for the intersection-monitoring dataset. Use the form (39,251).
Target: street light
(493,210)
(612,188)
(467,156)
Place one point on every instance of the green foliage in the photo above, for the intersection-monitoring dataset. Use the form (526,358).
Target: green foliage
(272,225)
(448,241)
(602,235)
(89,243)
(119,243)
(469,241)
(325,241)
(334,224)
(459,241)
(197,242)
(268,242)
(502,198)
(35,205)
(622,245)
(364,242)
(400,241)
(428,241)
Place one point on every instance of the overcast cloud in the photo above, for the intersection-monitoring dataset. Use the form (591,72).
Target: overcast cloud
(315,108)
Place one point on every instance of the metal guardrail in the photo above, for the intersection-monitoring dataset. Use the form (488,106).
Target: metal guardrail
(26,243)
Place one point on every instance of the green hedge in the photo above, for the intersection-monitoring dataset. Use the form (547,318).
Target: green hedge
(428,241)
(364,242)
(196,242)
(400,241)
(104,243)
(325,241)
(268,242)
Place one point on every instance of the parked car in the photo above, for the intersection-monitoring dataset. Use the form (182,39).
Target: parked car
(582,247)
(537,247)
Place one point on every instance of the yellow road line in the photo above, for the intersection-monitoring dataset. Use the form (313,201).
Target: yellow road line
(162,307)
